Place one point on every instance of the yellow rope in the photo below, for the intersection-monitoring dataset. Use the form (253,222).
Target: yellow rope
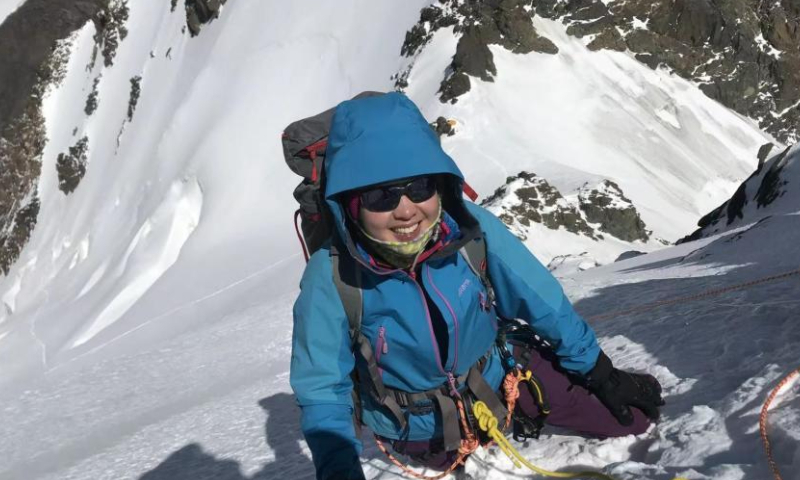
(488,423)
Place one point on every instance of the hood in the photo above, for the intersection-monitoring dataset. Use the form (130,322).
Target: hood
(380,139)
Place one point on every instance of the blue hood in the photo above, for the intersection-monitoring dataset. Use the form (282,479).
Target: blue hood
(379,139)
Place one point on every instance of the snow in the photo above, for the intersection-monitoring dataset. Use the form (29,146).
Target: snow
(7,7)
(637,24)
(580,116)
(145,331)
(767,47)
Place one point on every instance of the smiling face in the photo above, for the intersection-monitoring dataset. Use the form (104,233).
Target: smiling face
(405,223)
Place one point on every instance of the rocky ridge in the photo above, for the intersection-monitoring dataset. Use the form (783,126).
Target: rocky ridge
(35,43)
(743,53)
(773,189)
(506,23)
(593,212)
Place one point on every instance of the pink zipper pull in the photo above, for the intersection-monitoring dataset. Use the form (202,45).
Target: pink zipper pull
(384,343)
(452,381)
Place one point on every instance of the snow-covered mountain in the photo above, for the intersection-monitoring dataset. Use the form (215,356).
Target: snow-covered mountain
(596,221)
(772,190)
(145,323)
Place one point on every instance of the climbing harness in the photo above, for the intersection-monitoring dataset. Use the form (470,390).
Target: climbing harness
(470,441)
(469,444)
(762,420)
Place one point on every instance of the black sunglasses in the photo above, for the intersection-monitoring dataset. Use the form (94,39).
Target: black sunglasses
(385,198)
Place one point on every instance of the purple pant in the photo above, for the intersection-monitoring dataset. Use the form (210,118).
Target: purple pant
(571,407)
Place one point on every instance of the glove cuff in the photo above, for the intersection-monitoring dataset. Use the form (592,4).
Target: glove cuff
(601,371)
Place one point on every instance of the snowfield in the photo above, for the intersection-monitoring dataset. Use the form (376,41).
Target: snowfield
(145,331)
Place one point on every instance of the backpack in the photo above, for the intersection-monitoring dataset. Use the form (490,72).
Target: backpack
(304,144)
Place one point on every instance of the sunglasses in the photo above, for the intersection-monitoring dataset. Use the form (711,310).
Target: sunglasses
(385,198)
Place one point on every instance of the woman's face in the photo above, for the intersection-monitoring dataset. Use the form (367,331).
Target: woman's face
(403,224)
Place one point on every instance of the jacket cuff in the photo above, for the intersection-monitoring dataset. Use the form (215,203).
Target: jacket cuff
(601,371)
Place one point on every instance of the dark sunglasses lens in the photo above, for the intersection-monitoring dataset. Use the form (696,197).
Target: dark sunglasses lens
(386,198)
(420,189)
(381,199)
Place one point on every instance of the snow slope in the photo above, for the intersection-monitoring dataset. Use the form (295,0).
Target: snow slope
(144,333)
(581,116)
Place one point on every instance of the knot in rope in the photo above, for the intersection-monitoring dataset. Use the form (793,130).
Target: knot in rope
(511,389)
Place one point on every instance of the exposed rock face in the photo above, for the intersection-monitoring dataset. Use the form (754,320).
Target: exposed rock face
(759,196)
(27,39)
(133,100)
(743,53)
(606,205)
(504,22)
(34,48)
(595,210)
(529,198)
(110,30)
(201,12)
(71,166)
(91,100)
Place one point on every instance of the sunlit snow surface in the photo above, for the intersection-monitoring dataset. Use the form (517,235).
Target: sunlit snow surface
(145,332)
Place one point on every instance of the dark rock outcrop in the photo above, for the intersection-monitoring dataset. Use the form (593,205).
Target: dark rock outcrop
(763,188)
(502,22)
(744,54)
(71,166)
(607,206)
(201,12)
(133,99)
(597,211)
(34,49)
(537,202)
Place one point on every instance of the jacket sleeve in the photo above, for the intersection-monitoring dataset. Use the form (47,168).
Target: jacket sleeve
(320,373)
(526,290)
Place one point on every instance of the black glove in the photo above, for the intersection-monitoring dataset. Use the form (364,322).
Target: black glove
(619,390)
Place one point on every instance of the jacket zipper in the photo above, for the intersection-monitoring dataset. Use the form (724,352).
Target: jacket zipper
(452,314)
(413,277)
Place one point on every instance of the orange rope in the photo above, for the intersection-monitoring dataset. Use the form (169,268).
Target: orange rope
(511,387)
(708,293)
(469,444)
(762,422)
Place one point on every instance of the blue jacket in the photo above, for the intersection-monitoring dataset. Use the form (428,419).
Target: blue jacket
(379,139)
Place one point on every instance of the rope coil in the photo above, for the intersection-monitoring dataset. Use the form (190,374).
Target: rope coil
(762,421)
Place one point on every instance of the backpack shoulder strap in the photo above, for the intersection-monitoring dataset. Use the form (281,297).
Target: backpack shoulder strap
(347,278)
(475,254)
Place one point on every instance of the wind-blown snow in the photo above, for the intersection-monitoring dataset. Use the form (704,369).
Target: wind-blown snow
(145,331)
